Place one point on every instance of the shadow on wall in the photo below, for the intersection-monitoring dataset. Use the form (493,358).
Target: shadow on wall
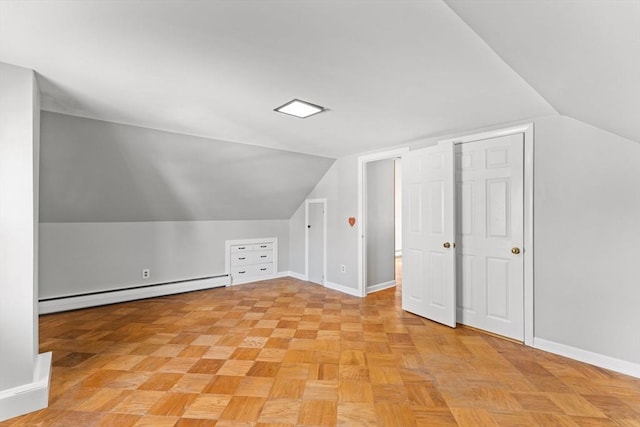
(95,171)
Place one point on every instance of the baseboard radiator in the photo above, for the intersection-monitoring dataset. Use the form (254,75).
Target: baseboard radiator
(94,299)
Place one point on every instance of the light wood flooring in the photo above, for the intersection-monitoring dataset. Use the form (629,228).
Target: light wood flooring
(288,353)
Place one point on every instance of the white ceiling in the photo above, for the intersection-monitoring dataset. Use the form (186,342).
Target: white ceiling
(389,71)
(581,56)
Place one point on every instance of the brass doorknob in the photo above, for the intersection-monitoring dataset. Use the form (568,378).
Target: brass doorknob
(447,245)
(515,251)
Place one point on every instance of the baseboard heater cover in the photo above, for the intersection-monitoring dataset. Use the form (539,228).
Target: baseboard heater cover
(74,302)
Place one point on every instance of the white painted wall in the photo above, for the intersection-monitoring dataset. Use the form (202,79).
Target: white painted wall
(80,258)
(380,224)
(19,160)
(587,237)
(586,232)
(19,110)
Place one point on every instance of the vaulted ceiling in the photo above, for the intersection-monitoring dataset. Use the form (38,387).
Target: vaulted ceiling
(389,71)
(583,57)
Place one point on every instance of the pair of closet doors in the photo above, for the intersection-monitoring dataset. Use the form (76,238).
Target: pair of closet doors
(463,234)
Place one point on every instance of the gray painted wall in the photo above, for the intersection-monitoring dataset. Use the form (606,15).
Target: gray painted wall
(78,258)
(296,240)
(95,171)
(587,234)
(380,224)
(116,199)
(587,238)
(339,187)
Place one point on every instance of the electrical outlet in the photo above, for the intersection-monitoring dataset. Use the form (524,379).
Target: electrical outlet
(343,268)
(146,273)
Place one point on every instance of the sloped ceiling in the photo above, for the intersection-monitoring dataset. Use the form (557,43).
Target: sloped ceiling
(389,71)
(96,171)
(581,56)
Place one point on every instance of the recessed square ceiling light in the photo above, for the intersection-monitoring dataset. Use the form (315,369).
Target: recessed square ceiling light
(300,109)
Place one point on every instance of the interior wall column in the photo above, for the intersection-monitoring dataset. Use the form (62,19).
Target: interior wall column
(24,374)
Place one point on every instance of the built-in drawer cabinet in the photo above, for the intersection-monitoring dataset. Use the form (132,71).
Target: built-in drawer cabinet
(249,260)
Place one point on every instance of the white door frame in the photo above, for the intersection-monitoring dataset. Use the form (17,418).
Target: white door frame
(527,251)
(307,202)
(362,202)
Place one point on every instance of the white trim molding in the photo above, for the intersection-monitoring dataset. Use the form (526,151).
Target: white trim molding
(28,397)
(596,359)
(307,202)
(112,297)
(362,194)
(342,288)
(380,286)
(262,278)
(295,275)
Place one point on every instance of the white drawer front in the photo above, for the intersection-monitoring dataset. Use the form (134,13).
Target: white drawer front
(241,248)
(262,269)
(263,247)
(248,271)
(238,273)
(246,258)
(262,257)
(242,258)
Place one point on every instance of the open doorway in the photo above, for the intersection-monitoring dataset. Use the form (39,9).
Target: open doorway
(379,210)
(397,181)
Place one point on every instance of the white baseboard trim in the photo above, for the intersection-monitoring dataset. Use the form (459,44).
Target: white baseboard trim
(607,362)
(342,288)
(28,397)
(94,300)
(381,286)
(297,275)
(260,278)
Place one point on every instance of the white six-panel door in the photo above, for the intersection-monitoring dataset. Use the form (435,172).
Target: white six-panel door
(428,253)
(490,234)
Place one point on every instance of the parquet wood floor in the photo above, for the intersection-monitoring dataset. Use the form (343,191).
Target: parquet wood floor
(288,353)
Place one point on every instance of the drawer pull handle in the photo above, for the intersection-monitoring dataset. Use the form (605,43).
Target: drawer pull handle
(241,272)
(263,269)
(242,247)
(242,257)
(263,256)
(263,246)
